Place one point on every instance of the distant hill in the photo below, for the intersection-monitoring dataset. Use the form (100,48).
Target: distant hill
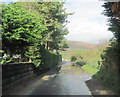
(80,45)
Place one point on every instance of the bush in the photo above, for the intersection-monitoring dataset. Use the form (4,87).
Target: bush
(81,63)
(48,59)
(73,58)
(108,67)
(5,60)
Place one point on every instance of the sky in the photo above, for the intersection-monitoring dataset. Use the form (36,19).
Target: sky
(87,24)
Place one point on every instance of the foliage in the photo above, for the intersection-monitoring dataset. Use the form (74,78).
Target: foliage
(49,59)
(73,58)
(108,73)
(5,60)
(108,67)
(27,27)
(55,20)
(80,62)
(20,29)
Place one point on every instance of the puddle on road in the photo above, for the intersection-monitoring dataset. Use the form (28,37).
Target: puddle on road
(72,80)
(69,70)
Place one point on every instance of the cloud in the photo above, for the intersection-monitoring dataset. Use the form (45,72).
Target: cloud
(88,31)
(87,24)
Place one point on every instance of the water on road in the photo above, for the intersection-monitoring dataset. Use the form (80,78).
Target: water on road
(69,81)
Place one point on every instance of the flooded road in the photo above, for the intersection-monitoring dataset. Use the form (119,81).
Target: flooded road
(70,80)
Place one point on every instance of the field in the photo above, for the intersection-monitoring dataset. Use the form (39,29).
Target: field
(91,56)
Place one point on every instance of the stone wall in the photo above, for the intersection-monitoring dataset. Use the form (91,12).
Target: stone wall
(13,74)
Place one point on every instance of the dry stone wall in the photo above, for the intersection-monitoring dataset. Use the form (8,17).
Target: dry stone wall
(13,74)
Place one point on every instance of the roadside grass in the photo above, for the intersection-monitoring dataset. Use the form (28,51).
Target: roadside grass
(91,70)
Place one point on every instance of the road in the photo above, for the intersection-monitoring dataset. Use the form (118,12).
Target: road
(70,80)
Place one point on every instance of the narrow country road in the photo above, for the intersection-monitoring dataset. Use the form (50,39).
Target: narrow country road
(69,81)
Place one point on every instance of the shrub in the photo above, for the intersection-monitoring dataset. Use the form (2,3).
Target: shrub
(5,60)
(80,62)
(108,67)
(48,59)
(73,58)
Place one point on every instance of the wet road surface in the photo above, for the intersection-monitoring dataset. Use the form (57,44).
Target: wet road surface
(70,80)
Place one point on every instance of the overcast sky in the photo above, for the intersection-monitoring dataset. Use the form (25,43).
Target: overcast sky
(87,24)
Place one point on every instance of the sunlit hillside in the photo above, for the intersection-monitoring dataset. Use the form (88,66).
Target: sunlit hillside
(80,45)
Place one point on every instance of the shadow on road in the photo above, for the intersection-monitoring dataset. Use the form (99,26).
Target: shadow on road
(62,79)
(19,89)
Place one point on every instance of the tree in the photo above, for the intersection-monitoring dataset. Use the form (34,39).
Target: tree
(111,56)
(29,26)
(20,29)
(54,19)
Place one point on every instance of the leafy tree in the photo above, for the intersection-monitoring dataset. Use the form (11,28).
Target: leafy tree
(114,25)
(56,17)
(20,29)
(108,72)
(29,26)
